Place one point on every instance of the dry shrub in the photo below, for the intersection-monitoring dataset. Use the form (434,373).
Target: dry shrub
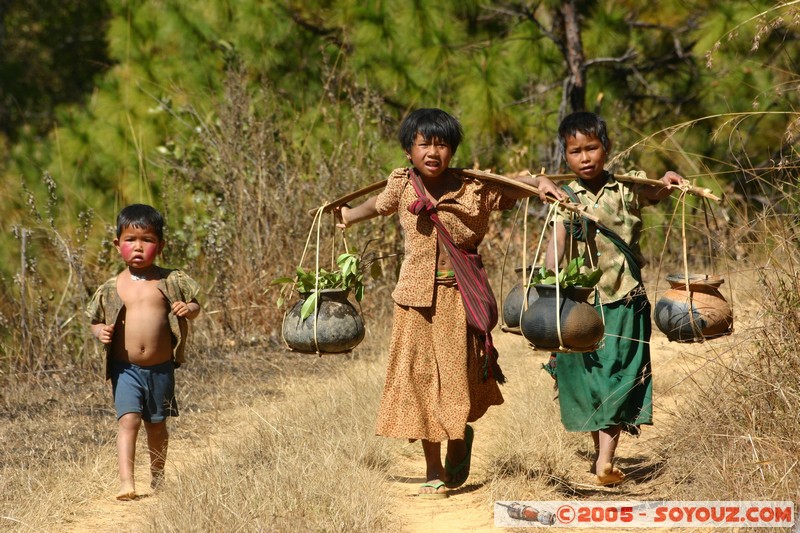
(739,432)
(253,176)
(41,309)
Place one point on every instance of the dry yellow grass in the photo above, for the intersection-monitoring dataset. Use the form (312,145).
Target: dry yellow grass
(281,442)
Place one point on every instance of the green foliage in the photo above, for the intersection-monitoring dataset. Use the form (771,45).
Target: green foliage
(569,276)
(704,88)
(500,70)
(52,51)
(310,282)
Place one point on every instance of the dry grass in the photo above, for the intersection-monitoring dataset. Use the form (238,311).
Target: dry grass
(251,184)
(272,441)
(741,420)
(532,453)
(306,462)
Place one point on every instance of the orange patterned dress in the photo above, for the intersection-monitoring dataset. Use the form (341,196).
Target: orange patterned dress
(434,379)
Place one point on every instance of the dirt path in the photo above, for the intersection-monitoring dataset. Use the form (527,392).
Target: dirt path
(469,508)
(104,514)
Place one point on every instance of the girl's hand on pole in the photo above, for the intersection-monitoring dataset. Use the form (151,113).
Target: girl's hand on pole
(340,213)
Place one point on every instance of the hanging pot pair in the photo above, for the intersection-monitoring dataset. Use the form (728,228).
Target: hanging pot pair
(551,317)
(334,326)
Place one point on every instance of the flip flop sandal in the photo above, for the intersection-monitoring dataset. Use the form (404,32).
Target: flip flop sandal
(435,485)
(460,472)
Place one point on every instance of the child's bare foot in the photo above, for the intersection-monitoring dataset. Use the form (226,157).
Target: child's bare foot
(127,491)
(610,475)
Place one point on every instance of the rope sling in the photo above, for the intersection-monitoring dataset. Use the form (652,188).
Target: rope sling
(480,304)
(579,233)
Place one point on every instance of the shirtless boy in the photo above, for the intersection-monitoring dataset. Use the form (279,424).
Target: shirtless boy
(140,316)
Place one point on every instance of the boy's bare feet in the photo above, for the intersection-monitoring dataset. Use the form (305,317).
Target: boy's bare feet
(610,475)
(127,491)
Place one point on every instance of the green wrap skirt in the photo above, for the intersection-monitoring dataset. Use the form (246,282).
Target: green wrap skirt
(613,385)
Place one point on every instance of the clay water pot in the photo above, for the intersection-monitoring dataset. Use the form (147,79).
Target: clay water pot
(339,325)
(694,315)
(581,325)
(512,305)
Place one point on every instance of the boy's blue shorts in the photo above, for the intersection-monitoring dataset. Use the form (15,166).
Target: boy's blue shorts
(147,390)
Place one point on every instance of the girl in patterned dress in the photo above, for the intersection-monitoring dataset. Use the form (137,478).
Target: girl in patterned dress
(435,382)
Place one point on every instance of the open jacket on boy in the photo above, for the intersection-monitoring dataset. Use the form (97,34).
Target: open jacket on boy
(175,285)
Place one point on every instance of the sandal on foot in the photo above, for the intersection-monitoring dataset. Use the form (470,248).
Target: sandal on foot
(460,472)
(434,484)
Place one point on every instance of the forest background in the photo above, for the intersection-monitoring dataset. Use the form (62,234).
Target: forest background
(237,118)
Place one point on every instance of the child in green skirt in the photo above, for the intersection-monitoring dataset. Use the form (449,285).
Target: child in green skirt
(608,390)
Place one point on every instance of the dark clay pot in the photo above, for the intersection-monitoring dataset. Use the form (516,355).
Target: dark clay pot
(694,315)
(581,325)
(339,326)
(512,305)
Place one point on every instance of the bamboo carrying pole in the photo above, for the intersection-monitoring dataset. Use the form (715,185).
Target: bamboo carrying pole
(477,174)
(691,189)
(504,180)
(327,208)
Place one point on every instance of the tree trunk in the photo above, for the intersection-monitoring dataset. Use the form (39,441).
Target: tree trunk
(576,61)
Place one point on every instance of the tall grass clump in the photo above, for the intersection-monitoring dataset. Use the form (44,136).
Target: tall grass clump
(742,424)
(252,176)
(41,319)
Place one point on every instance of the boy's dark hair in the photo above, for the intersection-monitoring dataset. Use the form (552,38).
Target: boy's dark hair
(431,123)
(590,124)
(141,216)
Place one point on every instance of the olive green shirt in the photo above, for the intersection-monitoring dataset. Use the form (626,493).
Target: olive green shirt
(175,285)
(618,206)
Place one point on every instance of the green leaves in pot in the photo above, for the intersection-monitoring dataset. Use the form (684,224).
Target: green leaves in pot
(569,276)
(349,276)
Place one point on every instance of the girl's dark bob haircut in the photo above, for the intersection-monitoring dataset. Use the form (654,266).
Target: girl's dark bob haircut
(431,123)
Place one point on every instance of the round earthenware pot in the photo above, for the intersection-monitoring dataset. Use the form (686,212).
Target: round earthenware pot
(512,305)
(339,327)
(693,311)
(581,325)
